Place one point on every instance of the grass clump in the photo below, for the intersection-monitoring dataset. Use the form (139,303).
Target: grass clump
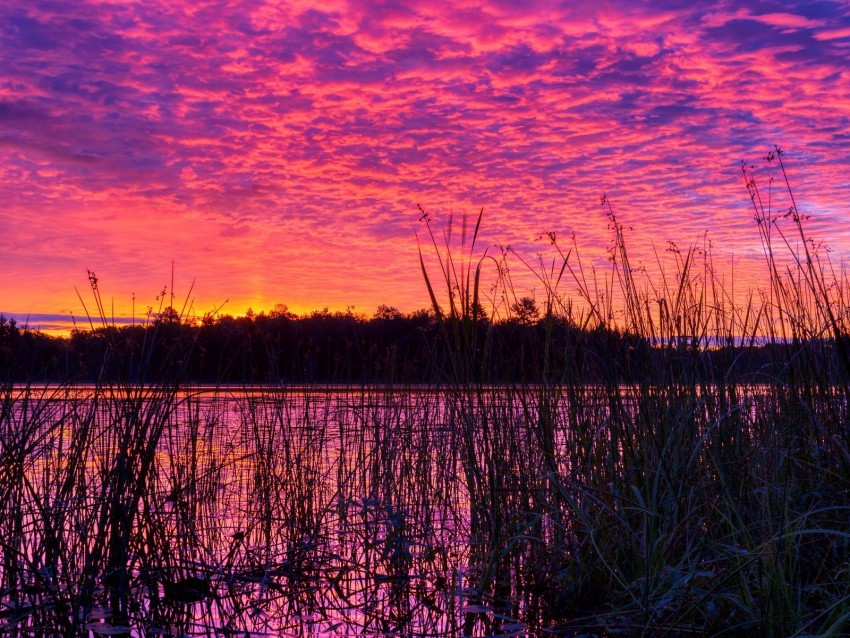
(697,488)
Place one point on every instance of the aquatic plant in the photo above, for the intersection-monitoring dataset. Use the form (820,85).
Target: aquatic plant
(672,464)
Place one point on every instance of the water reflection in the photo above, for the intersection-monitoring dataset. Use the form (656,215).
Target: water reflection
(308,511)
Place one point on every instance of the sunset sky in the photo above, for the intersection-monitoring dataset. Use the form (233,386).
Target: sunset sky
(276,152)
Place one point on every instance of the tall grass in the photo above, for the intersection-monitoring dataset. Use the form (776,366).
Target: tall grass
(678,497)
(672,496)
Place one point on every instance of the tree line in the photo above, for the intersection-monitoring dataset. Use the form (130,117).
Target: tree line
(390,347)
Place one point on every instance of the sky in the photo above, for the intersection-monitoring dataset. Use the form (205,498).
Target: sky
(278,152)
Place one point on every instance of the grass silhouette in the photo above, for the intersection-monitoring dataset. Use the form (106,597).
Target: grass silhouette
(660,495)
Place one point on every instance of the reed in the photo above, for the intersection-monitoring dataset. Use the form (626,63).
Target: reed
(636,484)
(677,497)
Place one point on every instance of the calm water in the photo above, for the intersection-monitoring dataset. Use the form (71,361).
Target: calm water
(319,511)
(305,511)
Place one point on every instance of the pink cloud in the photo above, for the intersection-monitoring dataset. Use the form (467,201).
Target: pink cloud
(833,34)
(789,20)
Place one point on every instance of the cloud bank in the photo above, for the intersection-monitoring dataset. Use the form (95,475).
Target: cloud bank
(277,151)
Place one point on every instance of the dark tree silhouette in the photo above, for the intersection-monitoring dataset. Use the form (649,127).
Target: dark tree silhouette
(526,311)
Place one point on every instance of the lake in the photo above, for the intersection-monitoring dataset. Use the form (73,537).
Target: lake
(420,511)
(280,511)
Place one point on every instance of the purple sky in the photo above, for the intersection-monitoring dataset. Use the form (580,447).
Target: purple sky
(277,152)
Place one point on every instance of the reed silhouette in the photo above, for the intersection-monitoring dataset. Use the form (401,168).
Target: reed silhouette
(639,458)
